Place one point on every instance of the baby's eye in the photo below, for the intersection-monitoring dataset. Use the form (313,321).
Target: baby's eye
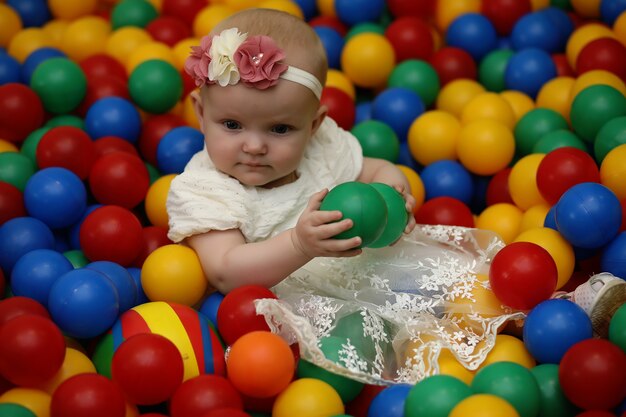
(231,125)
(281,129)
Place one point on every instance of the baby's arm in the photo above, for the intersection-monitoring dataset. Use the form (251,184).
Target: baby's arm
(229,262)
(380,170)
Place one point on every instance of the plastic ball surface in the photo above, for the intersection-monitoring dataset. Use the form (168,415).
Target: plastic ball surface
(484,405)
(528,70)
(21,235)
(593,107)
(377,139)
(88,395)
(113,116)
(308,397)
(358,54)
(155,86)
(176,148)
(397,216)
(203,395)
(119,178)
(60,83)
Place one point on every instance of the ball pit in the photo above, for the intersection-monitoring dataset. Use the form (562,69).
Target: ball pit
(516,102)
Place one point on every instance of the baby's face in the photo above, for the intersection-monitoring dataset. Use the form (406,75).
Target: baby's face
(258,136)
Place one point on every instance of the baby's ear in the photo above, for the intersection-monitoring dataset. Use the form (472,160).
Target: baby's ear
(319,118)
(198,108)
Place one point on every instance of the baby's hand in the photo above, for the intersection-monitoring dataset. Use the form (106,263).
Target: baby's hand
(410,206)
(314,231)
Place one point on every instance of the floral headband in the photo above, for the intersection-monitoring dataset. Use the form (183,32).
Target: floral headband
(231,56)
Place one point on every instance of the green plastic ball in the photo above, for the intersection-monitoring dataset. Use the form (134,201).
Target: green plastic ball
(361,203)
(16,169)
(347,388)
(66,120)
(133,13)
(533,126)
(76,257)
(60,84)
(617,328)
(397,215)
(553,403)
(492,68)
(435,396)
(593,107)
(29,146)
(558,139)
(418,76)
(512,382)
(365,27)
(155,86)
(15,410)
(377,139)
(610,136)
(103,355)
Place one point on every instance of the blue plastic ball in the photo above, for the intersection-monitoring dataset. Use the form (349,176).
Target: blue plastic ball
(32,12)
(142,298)
(121,278)
(56,196)
(552,327)
(390,401)
(113,116)
(610,10)
(21,235)
(613,257)
(588,215)
(473,33)
(210,306)
(405,157)
(176,148)
(447,178)
(352,12)
(37,57)
(536,30)
(84,303)
(363,112)
(398,107)
(333,44)
(308,7)
(34,273)
(528,70)
(10,69)
(562,21)
(579,253)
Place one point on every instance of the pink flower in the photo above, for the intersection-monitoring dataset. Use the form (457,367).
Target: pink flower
(197,63)
(258,60)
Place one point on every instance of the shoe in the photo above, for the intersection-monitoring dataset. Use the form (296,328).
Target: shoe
(600,297)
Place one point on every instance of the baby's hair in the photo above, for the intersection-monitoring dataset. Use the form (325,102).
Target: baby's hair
(289,32)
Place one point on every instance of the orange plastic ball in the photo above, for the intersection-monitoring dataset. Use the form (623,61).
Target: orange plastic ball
(155,201)
(433,136)
(327,8)
(587,8)
(10,24)
(368,59)
(6,146)
(485,147)
(619,28)
(260,364)
(502,218)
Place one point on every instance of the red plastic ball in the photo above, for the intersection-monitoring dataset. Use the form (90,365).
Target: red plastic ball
(21,112)
(101,65)
(185,10)
(606,54)
(152,132)
(153,238)
(359,406)
(592,374)
(415,8)
(148,368)
(623,226)
(226,412)
(11,202)
(522,275)
(169,30)
(563,68)
(88,395)
(411,38)
(17,306)
(563,168)
(237,315)
(3,283)
(505,13)
(119,178)
(202,394)
(32,349)
(452,63)
(189,84)
(595,413)
(445,210)
(67,147)
(108,144)
(102,86)
(331,22)
(111,233)
(340,106)
(498,188)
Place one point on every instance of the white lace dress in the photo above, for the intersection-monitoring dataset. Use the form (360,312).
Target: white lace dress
(393,309)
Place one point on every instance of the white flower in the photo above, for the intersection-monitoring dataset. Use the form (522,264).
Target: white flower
(222,68)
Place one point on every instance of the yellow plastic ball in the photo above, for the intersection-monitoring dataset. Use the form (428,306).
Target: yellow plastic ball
(6,146)
(147,51)
(54,30)
(433,136)
(338,79)
(308,397)
(158,4)
(503,218)
(523,182)
(173,273)
(182,49)
(582,36)
(456,94)
(448,10)
(75,363)
(327,8)
(596,77)
(480,300)
(619,28)
(483,405)
(485,147)
(587,8)
(10,24)
(155,201)
(534,216)
(556,95)
(189,113)
(489,106)
(209,17)
(286,6)
(613,171)
(418,191)
(511,349)
(556,245)
(125,40)
(449,365)
(241,4)
(368,59)
(27,41)
(72,9)
(520,103)
(35,400)
(539,4)
(85,36)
